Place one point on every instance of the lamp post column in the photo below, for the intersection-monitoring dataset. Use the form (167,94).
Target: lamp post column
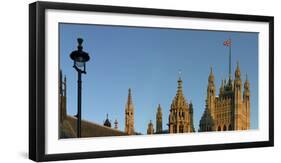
(79,103)
(79,58)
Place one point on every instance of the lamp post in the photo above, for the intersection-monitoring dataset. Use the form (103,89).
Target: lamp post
(79,58)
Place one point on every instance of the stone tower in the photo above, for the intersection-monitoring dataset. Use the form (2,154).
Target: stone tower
(179,118)
(150,129)
(237,102)
(211,93)
(229,110)
(246,103)
(129,115)
(159,119)
(207,121)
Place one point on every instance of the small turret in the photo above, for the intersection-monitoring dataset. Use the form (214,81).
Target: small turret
(246,87)
(150,129)
(211,76)
(237,81)
(247,102)
(222,87)
(116,124)
(237,71)
(192,129)
(107,122)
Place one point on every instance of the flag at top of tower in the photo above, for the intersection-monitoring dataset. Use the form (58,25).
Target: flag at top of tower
(227,42)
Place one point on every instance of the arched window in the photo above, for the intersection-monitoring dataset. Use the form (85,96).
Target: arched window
(229,127)
(224,128)
(175,129)
(219,128)
(181,129)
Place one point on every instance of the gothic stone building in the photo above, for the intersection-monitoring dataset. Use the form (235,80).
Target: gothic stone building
(181,113)
(230,110)
(180,117)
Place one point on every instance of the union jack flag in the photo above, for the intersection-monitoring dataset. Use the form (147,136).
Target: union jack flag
(227,43)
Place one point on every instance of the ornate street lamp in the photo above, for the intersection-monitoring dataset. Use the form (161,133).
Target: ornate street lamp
(79,58)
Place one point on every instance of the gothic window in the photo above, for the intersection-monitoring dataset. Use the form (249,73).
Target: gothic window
(212,92)
(181,129)
(224,128)
(219,128)
(229,127)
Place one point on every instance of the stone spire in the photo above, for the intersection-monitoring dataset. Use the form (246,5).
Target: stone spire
(211,93)
(129,105)
(179,99)
(211,83)
(179,118)
(180,86)
(211,76)
(237,81)
(247,83)
(159,119)
(237,71)
(247,102)
(246,94)
(222,87)
(191,117)
(129,97)
(129,115)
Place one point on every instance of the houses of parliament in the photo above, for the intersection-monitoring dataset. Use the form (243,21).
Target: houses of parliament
(227,110)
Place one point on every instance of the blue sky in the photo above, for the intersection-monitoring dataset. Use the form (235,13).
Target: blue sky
(148,60)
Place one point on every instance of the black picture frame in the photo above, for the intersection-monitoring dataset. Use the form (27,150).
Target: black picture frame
(37,79)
